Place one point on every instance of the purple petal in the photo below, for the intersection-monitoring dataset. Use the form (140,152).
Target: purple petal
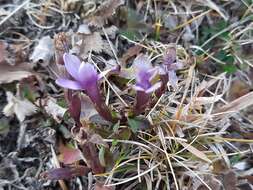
(153,72)
(72,64)
(176,66)
(170,56)
(142,63)
(87,74)
(173,78)
(138,88)
(154,87)
(66,83)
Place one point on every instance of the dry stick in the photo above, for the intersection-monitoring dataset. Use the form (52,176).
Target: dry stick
(196,175)
(190,21)
(113,51)
(163,142)
(14,12)
(155,106)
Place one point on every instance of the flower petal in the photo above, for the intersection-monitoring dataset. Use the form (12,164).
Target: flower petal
(138,88)
(170,56)
(176,66)
(72,64)
(154,87)
(87,74)
(153,72)
(173,78)
(142,63)
(66,83)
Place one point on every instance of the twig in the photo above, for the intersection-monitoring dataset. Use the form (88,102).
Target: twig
(14,12)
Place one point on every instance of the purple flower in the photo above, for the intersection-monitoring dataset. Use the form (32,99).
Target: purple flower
(169,67)
(84,77)
(145,73)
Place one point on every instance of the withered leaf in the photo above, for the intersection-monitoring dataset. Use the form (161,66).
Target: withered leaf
(99,186)
(65,173)
(104,11)
(91,155)
(69,155)
(52,108)
(20,107)
(10,73)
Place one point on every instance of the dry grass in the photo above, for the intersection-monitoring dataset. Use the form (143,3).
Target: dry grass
(190,123)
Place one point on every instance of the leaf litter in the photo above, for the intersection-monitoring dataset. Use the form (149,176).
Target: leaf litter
(179,119)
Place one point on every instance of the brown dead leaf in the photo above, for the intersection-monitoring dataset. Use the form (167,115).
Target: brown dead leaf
(69,155)
(206,100)
(10,73)
(236,105)
(237,89)
(219,166)
(132,51)
(230,180)
(92,42)
(99,186)
(195,152)
(91,155)
(2,52)
(104,11)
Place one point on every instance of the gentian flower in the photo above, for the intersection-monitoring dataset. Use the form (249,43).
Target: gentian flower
(84,77)
(167,70)
(170,66)
(144,73)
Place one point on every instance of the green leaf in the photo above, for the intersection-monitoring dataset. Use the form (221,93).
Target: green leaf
(101,156)
(116,127)
(133,124)
(114,142)
(4,126)
(229,68)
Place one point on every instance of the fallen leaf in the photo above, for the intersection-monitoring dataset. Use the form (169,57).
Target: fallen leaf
(230,180)
(104,11)
(237,89)
(132,51)
(44,50)
(206,100)
(85,43)
(69,155)
(111,31)
(91,155)
(236,105)
(2,52)
(10,73)
(65,173)
(93,42)
(99,186)
(53,109)
(20,107)
(195,151)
